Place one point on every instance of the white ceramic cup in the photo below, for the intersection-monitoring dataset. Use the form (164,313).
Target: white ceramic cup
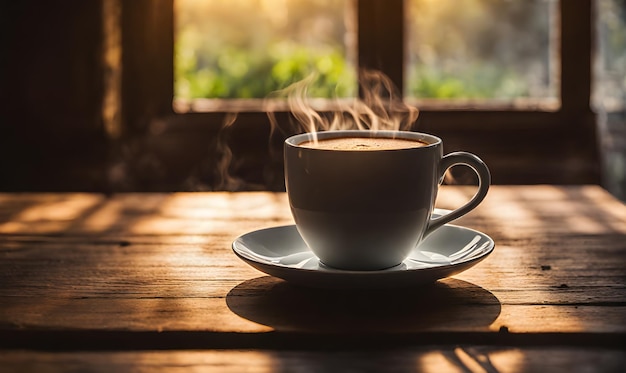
(366,210)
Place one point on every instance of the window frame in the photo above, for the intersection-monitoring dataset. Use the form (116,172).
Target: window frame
(522,146)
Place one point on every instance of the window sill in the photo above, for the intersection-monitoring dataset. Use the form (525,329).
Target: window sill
(203,105)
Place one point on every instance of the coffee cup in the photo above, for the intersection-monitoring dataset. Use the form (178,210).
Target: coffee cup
(363,200)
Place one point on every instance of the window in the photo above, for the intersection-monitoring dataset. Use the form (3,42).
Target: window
(491,52)
(535,143)
(483,51)
(247,49)
(609,92)
(610,66)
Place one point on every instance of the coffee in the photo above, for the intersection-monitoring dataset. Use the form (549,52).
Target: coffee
(364,143)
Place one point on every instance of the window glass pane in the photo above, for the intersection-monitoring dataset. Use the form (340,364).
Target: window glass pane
(609,93)
(610,62)
(481,49)
(249,48)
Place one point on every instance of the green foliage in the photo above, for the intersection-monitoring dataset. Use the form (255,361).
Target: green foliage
(249,49)
(474,82)
(242,73)
(480,49)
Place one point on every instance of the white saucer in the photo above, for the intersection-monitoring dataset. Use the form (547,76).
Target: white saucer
(281,252)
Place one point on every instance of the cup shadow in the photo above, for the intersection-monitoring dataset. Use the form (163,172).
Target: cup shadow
(449,304)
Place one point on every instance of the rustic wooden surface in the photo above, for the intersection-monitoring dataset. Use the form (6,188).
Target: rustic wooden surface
(134,281)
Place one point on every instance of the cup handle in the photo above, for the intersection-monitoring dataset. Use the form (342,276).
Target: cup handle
(484,180)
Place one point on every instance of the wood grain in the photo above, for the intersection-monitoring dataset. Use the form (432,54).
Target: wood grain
(465,358)
(162,263)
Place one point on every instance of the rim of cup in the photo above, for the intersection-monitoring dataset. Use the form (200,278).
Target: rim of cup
(430,140)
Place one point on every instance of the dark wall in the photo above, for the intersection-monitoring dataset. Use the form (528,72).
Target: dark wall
(50,94)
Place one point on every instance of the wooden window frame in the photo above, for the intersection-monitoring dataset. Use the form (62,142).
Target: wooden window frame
(521,146)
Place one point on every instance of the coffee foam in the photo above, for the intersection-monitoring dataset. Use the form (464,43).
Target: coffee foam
(364,143)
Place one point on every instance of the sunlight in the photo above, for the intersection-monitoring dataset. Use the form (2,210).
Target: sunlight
(471,359)
(276,10)
(189,213)
(222,205)
(507,359)
(104,218)
(52,213)
(202,361)
(435,361)
(615,214)
(64,209)
(453,198)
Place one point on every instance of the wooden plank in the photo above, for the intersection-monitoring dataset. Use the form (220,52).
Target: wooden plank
(172,287)
(162,262)
(513,275)
(263,313)
(508,212)
(67,261)
(428,359)
(140,214)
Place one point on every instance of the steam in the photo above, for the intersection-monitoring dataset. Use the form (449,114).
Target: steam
(380,108)
(226,181)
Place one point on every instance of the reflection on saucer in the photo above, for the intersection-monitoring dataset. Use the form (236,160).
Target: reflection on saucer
(281,252)
(449,303)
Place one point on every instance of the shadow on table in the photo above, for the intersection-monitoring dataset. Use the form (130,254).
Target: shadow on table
(447,305)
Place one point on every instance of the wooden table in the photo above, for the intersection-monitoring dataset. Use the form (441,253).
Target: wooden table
(149,281)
